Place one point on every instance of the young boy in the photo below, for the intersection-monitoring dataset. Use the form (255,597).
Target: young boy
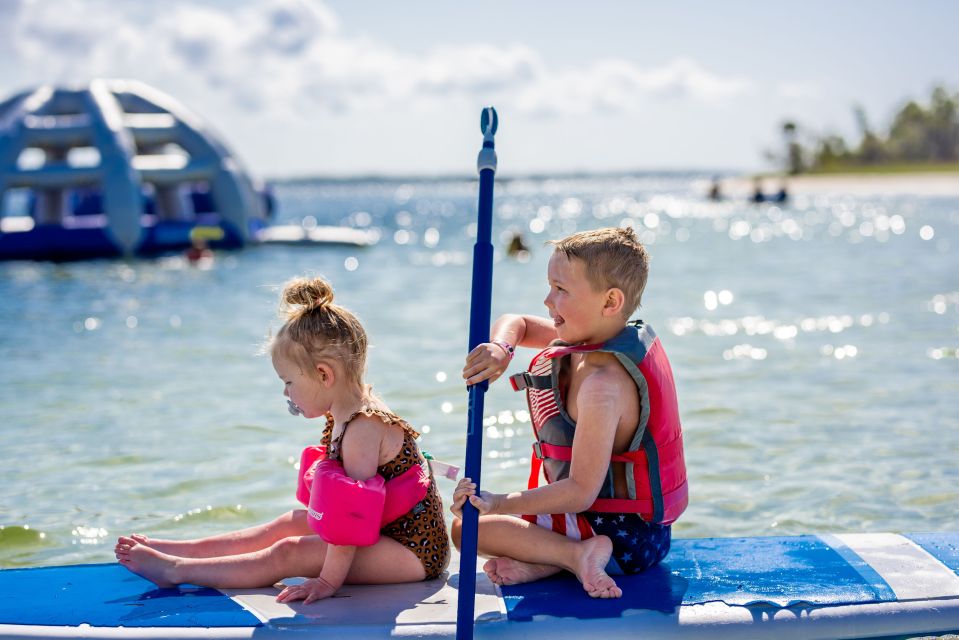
(603,406)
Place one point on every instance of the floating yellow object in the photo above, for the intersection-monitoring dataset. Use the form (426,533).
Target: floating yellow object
(206,233)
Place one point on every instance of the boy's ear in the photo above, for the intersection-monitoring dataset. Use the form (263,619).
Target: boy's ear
(615,299)
(325,373)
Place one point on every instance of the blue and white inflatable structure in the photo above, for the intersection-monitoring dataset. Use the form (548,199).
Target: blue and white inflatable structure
(116,168)
(875,585)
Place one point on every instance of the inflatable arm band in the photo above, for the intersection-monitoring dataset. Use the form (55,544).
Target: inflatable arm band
(304,482)
(345,511)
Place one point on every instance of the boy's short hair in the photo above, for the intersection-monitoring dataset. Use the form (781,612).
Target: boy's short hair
(614,257)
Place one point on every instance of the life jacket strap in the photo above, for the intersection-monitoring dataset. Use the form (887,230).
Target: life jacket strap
(535,464)
(543,450)
(622,505)
(674,503)
(525,380)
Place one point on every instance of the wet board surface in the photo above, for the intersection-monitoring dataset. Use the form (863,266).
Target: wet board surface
(107,595)
(737,571)
(830,586)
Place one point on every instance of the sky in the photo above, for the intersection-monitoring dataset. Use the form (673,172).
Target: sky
(349,87)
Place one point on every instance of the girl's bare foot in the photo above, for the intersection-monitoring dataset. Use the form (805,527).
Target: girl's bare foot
(592,556)
(181,548)
(505,571)
(156,566)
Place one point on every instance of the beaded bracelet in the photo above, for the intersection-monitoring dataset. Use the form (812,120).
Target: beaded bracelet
(505,346)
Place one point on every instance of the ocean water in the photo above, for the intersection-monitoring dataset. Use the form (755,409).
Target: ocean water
(815,346)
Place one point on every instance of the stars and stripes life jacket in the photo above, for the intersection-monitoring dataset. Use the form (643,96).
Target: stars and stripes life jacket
(655,467)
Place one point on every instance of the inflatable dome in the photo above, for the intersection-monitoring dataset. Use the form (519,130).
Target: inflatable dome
(116,168)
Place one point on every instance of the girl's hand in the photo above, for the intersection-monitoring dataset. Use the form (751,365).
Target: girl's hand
(487,361)
(466,490)
(310,590)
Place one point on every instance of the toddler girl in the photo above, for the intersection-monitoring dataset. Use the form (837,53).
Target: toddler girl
(320,355)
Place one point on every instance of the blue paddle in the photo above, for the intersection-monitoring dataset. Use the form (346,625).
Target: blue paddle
(482,294)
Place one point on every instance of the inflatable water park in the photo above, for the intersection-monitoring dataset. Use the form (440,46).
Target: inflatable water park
(825,586)
(118,168)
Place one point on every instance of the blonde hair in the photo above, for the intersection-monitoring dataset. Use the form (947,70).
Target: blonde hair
(316,329)
(614,257)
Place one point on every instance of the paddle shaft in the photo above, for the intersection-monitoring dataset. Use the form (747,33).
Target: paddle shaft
(482,294)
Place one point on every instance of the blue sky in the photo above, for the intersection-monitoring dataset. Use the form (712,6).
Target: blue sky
(337,87)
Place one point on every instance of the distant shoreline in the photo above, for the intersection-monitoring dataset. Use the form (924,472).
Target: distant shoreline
(931,183)
(734,185)
(501,176)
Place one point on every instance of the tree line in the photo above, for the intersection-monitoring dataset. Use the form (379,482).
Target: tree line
(920,134)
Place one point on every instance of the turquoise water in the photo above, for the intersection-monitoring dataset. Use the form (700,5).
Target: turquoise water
(814,345)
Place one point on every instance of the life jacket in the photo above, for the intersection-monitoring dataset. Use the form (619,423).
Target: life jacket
(655,467)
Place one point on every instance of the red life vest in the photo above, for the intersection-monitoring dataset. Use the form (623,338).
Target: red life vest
(655,467)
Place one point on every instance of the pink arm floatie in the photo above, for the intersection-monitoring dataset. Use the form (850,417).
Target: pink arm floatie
(404,492)
(345,511)
(304,482)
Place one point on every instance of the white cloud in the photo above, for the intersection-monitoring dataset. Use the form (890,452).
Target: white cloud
(284,58)
(620,86)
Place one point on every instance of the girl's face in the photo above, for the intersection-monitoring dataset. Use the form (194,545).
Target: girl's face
(303,388)
(575,307)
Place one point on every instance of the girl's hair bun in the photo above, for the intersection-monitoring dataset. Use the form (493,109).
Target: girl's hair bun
(315,328)
(307,293)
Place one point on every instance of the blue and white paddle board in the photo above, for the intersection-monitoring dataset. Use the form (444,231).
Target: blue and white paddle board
(826,586)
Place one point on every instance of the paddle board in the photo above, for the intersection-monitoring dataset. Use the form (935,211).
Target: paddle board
(817,586)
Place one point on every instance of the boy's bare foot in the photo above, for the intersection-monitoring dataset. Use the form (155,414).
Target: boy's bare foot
(509,571)
(593,554)
(155,566)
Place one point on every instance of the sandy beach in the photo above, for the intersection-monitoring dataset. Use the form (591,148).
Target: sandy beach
(923,184)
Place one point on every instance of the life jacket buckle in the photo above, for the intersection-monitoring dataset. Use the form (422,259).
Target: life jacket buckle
(538,450)
(521,381)
(526,380)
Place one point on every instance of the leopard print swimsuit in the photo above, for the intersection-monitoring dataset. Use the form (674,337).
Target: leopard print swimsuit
(423,529)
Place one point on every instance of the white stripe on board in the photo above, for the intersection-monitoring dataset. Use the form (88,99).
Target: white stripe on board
(908,569)
(373,607)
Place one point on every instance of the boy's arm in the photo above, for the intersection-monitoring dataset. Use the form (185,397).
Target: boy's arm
(524,331)
(600,403)
(489,360)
